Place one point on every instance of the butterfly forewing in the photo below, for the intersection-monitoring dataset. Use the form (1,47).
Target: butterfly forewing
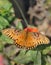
(10,32)
(18,37)
(41,39)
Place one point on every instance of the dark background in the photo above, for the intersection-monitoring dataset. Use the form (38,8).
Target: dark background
(24,4)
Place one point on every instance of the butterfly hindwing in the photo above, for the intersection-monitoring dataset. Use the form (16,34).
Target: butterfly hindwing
(35,39)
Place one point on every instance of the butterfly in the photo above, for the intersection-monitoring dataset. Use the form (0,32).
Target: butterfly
(25,38)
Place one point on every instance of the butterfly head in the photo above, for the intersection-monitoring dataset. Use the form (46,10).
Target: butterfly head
(31,29)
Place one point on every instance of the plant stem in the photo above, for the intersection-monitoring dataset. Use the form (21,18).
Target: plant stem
(21,12)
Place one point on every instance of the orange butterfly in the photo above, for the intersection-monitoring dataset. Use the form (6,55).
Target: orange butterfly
(28,38)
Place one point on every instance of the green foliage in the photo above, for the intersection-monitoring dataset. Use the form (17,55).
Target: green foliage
(1,45)
(25,56)
(48,60)
(28,56)
(5,6)
(6,39)
(46,50)
(3,22)
(6,13)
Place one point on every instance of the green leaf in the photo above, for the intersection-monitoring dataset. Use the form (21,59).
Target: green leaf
(37,60)
(19,25)
(26,57)
(46,50)
(1,27)
(22,57)
(10,18)
(5,4)
(6,39)
(5,7)
(3,22)
(48,60)
(32,54)
(1,45)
